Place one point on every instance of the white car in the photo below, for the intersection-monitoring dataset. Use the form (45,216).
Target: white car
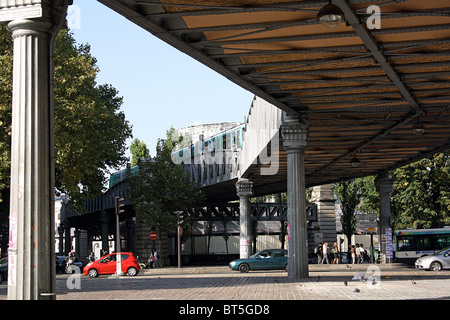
(438,261)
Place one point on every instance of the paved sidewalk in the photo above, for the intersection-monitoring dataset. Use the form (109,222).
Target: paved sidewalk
(326,282)
(219,283)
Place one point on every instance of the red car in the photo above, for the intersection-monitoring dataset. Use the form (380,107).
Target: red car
(108,265)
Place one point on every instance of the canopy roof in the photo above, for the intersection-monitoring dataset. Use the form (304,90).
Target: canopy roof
(361,90)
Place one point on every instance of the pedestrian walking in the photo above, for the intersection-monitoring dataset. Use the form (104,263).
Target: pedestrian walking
(362,252)
(319,254)
(353,253)
(325,253)
(335,253)
(358,253)
(153,259)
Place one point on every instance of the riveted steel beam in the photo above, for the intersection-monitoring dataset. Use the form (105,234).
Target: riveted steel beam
(373,47)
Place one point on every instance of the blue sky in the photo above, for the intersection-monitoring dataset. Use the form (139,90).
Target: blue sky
(161,86)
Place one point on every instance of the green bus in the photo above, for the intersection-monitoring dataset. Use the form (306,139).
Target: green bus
(415,243)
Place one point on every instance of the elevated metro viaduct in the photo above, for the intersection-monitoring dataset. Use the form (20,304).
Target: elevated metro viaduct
(376,92)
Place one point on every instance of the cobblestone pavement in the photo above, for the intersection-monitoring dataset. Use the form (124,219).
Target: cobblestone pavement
(327,282)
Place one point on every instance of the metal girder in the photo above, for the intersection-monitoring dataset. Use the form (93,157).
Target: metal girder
(372,46)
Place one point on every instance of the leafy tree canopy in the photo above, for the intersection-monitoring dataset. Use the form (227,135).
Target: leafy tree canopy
(90,130)
(138,151)
(163,188)
(420,197)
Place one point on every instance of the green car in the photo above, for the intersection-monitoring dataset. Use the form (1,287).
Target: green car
(271,259)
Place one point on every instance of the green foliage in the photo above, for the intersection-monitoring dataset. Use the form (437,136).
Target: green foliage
(421,195)
(5,110)
(162,188)
(138,151)
(90,129)
(350,193)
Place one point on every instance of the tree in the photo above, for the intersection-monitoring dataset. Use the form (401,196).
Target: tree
(6,62)
(349,192)
(421,193)
(90,130)
(163,188)
(420,196)
(138,151)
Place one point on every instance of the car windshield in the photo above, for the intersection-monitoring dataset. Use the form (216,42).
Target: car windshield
(441,251)
(3,261)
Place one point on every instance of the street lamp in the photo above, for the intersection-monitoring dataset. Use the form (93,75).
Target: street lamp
(330,15)
(355,163)
(418,128)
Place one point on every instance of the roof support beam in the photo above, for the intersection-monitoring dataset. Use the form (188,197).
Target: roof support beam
(372,46)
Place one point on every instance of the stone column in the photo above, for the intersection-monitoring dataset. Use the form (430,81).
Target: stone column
(131,237)
(294,134)
(61,240)
(77,246)
(244,188)
(31,248)
(105,220)
(325,225)
(67,238)
(384,187)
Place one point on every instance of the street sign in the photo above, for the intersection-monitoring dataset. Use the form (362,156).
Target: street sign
(153,235)
(366,216)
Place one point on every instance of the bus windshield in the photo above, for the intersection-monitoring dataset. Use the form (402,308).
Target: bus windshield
(414,243)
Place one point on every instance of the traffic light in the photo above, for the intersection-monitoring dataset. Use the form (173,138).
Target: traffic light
(120,206)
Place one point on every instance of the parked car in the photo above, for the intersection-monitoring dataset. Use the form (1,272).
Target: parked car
(435,262)
(61,264)
(108,265)
(276,259)
(3,269)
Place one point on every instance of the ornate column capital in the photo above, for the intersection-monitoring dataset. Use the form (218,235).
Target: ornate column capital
(294,133)
(384,184)
(45,10)
(244,188)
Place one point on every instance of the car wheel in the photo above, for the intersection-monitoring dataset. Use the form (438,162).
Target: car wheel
(1,278)
(244,268)
(132,271)
(93,273)
(286,268)
(435,266)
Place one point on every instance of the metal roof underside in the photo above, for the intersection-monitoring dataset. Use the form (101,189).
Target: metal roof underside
(360,90)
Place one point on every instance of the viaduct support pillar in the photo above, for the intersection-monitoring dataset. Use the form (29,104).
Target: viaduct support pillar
(31,248)
(244,188)
(294,134)
(105,220)
(384,187)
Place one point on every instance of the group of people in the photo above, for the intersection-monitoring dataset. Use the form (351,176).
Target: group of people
(152,260)
(324,254)
(358,254)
